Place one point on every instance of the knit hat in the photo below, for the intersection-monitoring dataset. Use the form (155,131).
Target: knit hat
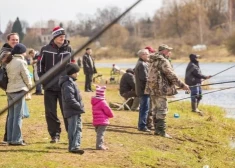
(19,49)
(100,92)
(130,70)
(72,68)
(151,50)
(57,31)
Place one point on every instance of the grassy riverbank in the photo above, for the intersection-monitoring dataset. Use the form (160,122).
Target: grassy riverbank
(197,140)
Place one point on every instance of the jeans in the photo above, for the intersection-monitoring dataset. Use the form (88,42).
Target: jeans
(100,130)
(143,112)
(196,93)
(74,132)
(14,120)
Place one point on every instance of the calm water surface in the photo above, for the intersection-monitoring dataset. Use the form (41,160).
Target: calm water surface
(225,99)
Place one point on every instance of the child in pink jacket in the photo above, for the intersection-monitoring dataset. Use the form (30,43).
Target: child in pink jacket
(101,114)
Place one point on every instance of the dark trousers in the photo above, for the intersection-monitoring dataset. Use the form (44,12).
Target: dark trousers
(39,88)
(88,81)
(53,122)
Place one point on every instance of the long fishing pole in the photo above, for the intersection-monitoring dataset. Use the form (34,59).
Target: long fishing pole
(217,83)
(222,71)
(201,94)
(57,67)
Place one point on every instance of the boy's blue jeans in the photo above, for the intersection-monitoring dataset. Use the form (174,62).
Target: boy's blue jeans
(74,132)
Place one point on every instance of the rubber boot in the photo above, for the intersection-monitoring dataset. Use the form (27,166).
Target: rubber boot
(195,109)
(198,101)
(135,104)
(160,128)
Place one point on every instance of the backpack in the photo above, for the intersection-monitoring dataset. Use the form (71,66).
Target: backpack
(3,78)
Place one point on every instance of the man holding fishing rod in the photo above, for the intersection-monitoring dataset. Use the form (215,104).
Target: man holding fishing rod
(160,84)
(193,78)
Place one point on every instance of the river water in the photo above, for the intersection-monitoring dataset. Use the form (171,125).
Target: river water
(225,98)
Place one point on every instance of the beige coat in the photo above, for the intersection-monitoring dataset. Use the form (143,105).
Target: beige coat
(18,75)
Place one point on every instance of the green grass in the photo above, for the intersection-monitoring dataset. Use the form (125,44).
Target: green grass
(197,140)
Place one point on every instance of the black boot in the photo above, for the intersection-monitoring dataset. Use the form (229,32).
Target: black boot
(160,128)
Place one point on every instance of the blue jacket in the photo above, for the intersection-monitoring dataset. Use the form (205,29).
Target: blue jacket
(71,98)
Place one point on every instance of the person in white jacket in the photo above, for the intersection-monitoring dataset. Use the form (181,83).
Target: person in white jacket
(19,82)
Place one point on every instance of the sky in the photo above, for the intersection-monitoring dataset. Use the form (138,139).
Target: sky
(65,10)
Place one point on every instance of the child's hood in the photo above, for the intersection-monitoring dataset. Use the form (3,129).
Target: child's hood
(95,100)
(63,79)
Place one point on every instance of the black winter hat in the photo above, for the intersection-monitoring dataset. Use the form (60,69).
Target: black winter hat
(130,70)
(72,68)
(19,49)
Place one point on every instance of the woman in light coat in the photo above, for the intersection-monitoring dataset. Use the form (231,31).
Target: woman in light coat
(19,82)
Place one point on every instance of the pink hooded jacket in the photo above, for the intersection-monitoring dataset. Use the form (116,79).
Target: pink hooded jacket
(101,111)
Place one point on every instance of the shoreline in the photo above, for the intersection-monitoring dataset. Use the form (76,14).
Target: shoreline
(183,60)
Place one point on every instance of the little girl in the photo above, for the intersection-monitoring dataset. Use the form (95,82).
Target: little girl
(101,114)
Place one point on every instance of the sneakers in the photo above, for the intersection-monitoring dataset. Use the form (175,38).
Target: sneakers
(77,151)
(102,148)
(18,144)
(144,130)
(54,140)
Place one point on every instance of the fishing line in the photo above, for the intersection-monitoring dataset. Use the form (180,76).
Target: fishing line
(201,94)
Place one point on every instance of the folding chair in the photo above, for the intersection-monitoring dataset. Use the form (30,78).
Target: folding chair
(124,104)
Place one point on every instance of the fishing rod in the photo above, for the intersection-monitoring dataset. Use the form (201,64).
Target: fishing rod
(57,67)
(217,83)
(221,71)
(201,94)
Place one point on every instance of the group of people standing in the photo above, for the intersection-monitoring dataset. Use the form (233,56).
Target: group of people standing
(152,80)
(59,88)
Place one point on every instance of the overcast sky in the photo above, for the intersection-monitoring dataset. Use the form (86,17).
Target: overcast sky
(33,11)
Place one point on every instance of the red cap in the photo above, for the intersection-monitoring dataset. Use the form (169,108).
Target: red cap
(151,50)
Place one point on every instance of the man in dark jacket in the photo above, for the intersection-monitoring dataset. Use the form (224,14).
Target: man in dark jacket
(127,89)
(12,40)
(88,68)
(72,107)
(141,75)
(50,55)
(193,78)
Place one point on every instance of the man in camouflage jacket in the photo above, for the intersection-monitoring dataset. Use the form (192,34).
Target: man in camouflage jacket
(160,84)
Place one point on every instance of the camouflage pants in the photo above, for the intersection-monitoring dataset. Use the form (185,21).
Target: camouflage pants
(159,107)
(150,118)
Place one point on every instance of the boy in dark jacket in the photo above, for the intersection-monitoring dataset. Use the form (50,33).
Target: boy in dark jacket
(72,106)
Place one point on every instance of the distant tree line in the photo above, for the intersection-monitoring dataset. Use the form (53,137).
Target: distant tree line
(184,22)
